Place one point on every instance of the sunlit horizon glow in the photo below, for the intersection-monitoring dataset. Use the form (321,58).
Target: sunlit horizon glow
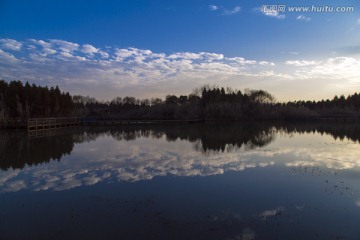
(152,50)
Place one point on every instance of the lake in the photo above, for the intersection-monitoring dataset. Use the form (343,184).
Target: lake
(193,181)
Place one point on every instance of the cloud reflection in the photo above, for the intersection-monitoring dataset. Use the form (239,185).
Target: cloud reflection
(108,157)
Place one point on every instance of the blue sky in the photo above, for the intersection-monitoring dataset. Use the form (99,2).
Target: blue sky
(152,48)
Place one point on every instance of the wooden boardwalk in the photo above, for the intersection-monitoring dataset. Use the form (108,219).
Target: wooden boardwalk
(41,124)
(35,124)
(13,123)
(116,122)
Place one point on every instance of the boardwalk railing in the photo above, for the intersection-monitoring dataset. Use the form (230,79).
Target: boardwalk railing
(34,124)
(114,121)
(38,124)
(12,123)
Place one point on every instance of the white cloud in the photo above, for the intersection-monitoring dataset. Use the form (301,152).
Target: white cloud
(211,56)
(41,43)
(10,44)
(66,54)
(339,75)
(49,51)
(213,7)
(339,68)
(7,56)
(104,54)
(235,10)
(266,63)
(301,63)
(47,47)
(358,21)
(274,14)
(270,12)
(303,18)
(242,61)
(185,55)
(89,49)
(87,70)
(225,11)
(64,45)
(293,53)
(82,69)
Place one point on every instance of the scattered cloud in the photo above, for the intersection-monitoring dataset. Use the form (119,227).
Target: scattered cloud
(7,56)
(274,13)
(84,67)
(293,53)
(213,7)
(225,11)
(301,63)
(346,68)
(10,44)
(235,10)
(358,21)
(266,63)
(89,49)
(65,46)
(108,72)
(303,18)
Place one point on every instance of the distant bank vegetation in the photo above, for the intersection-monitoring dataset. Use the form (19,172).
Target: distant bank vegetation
(18,100)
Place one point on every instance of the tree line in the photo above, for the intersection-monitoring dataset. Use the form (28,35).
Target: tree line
(215,103)
(18,100)
(205,103)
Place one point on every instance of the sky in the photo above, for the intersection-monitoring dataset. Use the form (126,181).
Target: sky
(147,49)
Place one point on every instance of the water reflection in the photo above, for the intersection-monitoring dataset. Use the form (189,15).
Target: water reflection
(17,150)
(87,156)
(206,181)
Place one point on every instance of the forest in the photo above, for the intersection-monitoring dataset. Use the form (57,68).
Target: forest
(18,100)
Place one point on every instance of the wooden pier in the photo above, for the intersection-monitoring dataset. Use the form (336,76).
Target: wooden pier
(35,124)
(117,122)
(13,123)
(43,124)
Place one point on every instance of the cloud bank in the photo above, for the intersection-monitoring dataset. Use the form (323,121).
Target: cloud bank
(109,72)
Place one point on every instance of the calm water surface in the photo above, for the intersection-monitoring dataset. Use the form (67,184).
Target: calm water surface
(206,181)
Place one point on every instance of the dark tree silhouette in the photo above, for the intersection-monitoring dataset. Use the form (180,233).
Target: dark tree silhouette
(205,103)
(23,101)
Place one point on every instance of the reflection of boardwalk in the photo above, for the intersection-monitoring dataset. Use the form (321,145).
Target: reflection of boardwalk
(34,124)
(42,133)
